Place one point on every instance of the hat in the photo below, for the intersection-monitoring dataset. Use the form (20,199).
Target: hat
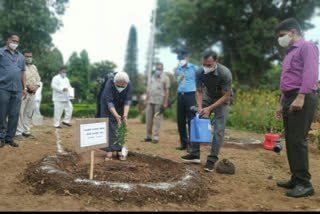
(182,54)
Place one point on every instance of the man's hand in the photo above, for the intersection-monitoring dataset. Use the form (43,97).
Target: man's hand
(298,103)
(205,112)
(24,94)
(165,105)
(278,113)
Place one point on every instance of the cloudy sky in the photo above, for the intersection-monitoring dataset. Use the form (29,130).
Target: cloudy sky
(102,27)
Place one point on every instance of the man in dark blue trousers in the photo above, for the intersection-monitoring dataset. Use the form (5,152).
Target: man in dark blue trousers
(12,87)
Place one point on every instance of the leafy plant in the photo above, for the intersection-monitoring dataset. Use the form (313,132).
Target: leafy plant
(121,135)
(318,141)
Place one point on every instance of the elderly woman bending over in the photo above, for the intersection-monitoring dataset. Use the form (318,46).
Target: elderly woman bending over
(115,103)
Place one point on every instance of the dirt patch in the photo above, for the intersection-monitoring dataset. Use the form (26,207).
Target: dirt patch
(141,178)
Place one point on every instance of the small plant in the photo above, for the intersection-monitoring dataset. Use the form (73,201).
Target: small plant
(121,135)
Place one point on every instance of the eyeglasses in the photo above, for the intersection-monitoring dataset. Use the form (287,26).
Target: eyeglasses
(119,86)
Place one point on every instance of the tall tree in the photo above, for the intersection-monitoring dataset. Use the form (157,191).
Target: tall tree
(33,20)
(78,71)
(132,58)
(100,69)
(244,28)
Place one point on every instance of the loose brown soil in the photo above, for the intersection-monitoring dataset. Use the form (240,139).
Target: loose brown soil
(251,188)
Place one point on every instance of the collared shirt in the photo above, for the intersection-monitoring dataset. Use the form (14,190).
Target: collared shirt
(58,84)
(215,82)
(300,68)
(10,70)
(157,88)
(32,75)
(186,78)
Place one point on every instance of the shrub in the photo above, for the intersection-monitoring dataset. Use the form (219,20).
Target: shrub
(133,112)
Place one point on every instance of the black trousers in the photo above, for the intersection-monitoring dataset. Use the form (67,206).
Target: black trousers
(297,125)
(185,101)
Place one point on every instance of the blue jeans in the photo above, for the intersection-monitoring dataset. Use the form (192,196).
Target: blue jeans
(10,102)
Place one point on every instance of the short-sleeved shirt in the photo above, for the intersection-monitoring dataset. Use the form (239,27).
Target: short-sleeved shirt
(10,70)
(214,82)
(157,88)
(187,78)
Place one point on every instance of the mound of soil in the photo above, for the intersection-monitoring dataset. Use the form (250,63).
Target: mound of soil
(139,179)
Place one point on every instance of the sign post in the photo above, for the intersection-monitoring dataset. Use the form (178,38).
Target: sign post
(91,134)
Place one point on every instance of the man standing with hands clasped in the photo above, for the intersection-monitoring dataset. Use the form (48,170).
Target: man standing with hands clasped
(12,89)
(298,103)
(28,104)
(216,79)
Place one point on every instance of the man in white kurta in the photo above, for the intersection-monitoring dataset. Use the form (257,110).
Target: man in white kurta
(61,96)
(28,103)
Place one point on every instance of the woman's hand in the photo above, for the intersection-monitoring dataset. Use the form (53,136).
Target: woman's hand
(125,120)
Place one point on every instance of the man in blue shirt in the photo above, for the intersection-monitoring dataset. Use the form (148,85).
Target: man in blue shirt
(12,87)
(185,77)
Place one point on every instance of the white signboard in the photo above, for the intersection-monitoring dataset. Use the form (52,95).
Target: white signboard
(93,134)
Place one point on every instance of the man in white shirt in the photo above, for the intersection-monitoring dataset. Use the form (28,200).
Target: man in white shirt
(62,93)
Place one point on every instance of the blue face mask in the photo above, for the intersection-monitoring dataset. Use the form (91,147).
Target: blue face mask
(63,75)
(120,89)
(158,73)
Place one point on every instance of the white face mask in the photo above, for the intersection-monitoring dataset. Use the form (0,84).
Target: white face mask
(120,89)
(63,75)
(13,46)
(182,62)
(28,60)
(208,70)
(284,41)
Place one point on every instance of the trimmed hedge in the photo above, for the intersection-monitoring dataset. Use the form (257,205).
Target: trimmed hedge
(82,110)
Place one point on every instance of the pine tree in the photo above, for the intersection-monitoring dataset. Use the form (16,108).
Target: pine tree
(131,59)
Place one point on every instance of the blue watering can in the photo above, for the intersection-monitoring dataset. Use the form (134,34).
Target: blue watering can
(200,130)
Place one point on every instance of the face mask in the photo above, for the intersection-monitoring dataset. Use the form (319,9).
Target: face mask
(13,46)
(158,73)
(208,70)
(182,62)
(119,89)
(28,60)
(284,41)
(63,75)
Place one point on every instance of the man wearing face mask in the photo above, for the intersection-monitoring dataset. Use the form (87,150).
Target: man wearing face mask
(157,98)
(216,80)
(28,104)
(185,76)
(298,103)
(61,98)
(12,89)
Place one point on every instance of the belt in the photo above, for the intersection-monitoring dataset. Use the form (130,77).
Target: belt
(295,92)
(186,93)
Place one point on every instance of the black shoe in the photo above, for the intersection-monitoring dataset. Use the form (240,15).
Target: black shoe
(2,143)
(67,124)
(146,140)
(181,148)
(300,191)
(190,158)
(28,136)
(58,127)
(288,185)
(209,167)
(155,141)
(12,143)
